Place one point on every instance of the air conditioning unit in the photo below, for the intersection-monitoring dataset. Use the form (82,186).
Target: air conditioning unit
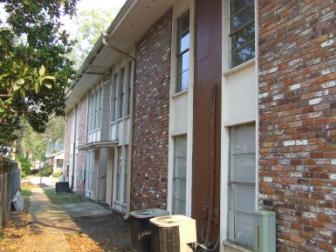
(264,231)
(172,233)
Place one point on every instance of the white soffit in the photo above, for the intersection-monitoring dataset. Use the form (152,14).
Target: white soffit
(132,22)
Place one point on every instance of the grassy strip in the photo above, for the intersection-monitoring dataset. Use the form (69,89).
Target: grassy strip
(26,190)
(63,198)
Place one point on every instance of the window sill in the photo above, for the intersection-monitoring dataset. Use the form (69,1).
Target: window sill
(180,93)
(231,247)
(239,68)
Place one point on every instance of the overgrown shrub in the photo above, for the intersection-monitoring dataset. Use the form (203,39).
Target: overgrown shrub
(25,165)
(46,171)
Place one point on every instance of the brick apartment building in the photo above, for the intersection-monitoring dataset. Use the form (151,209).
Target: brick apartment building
(213,109)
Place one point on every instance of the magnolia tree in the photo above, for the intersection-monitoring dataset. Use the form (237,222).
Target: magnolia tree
(34,67)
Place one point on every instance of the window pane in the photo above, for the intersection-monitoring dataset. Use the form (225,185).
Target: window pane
(242,31)
(121,92)
(241,186)
(114,98)
(99,109)
(242,16)
(125,174)
(185,62)
(129,81)
(184,42)
(179,176)
(239,5)
(243,139)
(242,198)
(119,163)
(244,168)
(244,229)
(183,72)
(242,37)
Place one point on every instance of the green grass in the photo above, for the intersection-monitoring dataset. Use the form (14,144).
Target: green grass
(25,192)
(63,198)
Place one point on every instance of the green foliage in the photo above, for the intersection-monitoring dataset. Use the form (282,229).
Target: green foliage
(25,165)
(57,174)
(90,25)
(46,171)
(34,67)
(63,198)
(36,143)
(25,192)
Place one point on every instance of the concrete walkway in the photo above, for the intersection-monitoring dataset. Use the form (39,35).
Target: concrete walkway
(52,221)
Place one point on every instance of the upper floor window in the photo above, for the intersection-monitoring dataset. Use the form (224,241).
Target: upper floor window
(121,92)
(129,88)
(242,31)
(95,100)
(183,43)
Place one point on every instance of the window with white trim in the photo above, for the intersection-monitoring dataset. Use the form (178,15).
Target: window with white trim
(121,176)
(121,92)
(179,175)
(242,30)
(119,172)
(114,98)
(129,88)
(241,185)
(182,52)
(95,109)
(89,174)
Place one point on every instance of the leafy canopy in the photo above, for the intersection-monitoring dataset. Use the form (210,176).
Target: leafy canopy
(34,67)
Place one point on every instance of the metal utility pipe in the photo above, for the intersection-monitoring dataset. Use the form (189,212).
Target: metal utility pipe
(212,166)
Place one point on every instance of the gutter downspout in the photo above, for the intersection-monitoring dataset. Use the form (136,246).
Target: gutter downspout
(130,145)
(74,151)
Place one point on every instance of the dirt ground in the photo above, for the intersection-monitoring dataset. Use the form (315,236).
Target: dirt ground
(82,234)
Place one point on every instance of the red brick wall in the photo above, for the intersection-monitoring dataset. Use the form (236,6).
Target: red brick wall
(69,119)
(81,140)
(151,109)
(81,136)
(297,107)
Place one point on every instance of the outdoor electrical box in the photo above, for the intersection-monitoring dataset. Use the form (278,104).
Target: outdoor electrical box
(264,231)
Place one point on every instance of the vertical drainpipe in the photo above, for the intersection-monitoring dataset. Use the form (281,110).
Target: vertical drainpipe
(74,151)
(130,144)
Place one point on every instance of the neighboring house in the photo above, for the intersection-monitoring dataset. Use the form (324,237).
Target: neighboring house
(54,155)
(56,160)
(212,109)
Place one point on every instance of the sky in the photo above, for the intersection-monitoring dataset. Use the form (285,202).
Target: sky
(113,5)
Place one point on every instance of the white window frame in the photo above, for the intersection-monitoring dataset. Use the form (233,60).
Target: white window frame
(95,113)
(176,177)
(180,53)
(241,182)
(121,91)
(231,33)
(120,177)
(89,174)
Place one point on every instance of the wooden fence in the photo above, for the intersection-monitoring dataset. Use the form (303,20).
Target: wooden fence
(9,185)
